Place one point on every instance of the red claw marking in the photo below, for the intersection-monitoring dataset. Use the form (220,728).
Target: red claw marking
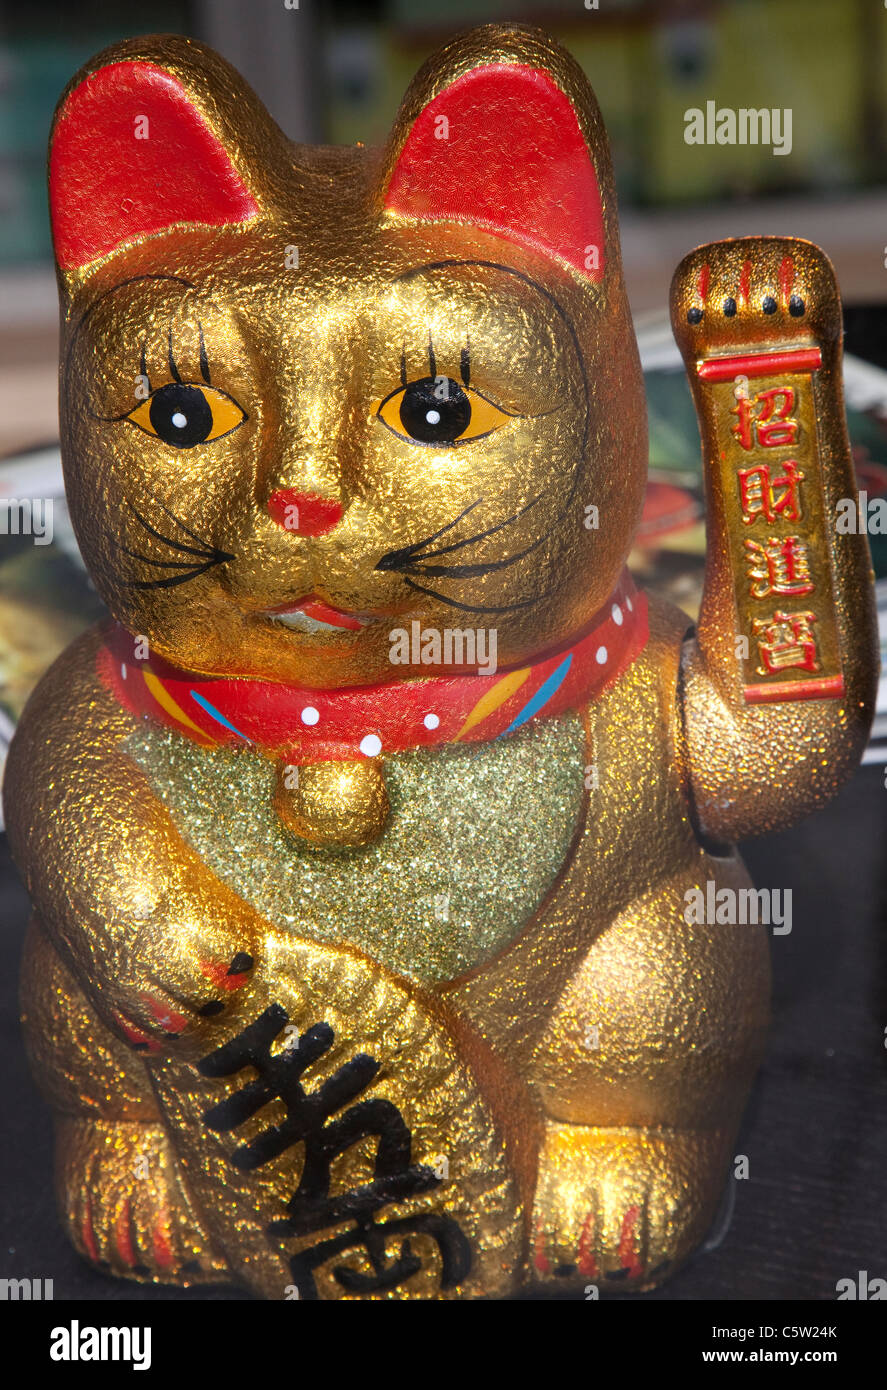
(540,1259)
(123,1235)
(167,1019)
(162,1248)
(139,1040)
(88,1233)
(745,282)
(628,1257)
(786,278)
(703,282)
(228,977)
(587,1262)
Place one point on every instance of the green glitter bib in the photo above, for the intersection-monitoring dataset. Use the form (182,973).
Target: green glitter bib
(476,835)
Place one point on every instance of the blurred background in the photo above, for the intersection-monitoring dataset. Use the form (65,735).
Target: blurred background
(332,71)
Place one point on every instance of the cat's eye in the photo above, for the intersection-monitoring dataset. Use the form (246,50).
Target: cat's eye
(437,410)
(183,415)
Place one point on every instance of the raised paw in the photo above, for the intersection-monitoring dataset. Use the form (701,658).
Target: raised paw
(754,293)
(125,1205)
(622,1208)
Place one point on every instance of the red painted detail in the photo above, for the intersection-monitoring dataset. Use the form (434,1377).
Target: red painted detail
(786,277)
(540,1259)
(167,1019)
(826,688)
(135,1035)
(270,714)
(514,160)
(218,974)
(628,1257)
(316,608)
(744,281)
(162,1249)
(587,1262)
(760,364)
(123,1235)
(106,187)
(304,513)
(703,281)
(88,1231)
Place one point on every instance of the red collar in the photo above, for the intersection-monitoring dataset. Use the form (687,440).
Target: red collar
(302,725)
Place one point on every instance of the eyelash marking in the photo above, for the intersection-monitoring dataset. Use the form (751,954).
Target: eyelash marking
(143,363)
(173,369)
(204,360)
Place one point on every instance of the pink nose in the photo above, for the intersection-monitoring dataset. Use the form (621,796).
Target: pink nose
(304,513)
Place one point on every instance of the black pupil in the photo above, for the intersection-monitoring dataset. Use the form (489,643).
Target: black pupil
(181,415)
(435,410)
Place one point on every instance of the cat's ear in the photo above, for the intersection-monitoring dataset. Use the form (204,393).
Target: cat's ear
(501,130)
(154,133)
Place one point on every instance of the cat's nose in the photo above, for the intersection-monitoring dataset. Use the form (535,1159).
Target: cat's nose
(304,513)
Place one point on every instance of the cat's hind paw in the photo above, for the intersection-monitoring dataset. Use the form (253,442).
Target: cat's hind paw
(621,1209)
(125,1206)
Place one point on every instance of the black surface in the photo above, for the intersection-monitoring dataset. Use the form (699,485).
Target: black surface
(814,1208)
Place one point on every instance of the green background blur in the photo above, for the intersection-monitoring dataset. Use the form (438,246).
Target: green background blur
(648,63)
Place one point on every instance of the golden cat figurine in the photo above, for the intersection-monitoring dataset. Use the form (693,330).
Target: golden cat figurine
(380,848)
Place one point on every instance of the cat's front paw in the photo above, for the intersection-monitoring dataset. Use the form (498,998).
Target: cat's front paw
(156,1015)
(620,1209)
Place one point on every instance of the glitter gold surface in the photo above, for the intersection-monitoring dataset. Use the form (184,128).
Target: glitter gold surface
(513,1049)
(475,838)
(331,804)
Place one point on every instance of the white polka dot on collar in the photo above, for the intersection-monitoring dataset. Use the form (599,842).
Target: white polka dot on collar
(600,656)
(616,614)
(371,745)
(310,715)
(431,721)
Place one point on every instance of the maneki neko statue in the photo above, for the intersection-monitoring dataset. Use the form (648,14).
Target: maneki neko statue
(360,837)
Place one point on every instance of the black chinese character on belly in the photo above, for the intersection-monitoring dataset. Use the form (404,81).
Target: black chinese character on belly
(309,1121)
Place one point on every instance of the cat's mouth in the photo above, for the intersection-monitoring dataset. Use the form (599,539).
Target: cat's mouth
(313,615)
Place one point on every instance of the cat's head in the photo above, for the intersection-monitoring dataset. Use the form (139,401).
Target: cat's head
(367,387)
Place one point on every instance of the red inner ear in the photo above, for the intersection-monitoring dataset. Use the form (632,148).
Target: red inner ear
(106,186)
(514,160)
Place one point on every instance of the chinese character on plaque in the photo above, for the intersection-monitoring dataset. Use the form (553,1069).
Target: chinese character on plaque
(766,419)
(771,498)
(780,566)
(786,642)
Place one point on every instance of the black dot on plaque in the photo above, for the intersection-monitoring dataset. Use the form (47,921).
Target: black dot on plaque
(564,1271)
(729,307)
(242,962)
(215,1006)
(769,305)
(694,315)
(796,306)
